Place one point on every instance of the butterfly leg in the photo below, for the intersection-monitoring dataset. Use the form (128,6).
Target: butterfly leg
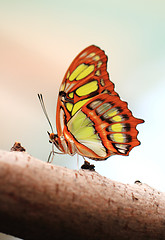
(84,159)
(50,159)
(52,153)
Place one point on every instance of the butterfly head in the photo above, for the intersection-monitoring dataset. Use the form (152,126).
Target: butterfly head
(53,138)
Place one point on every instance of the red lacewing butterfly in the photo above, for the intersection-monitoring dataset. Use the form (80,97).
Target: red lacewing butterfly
(91,119)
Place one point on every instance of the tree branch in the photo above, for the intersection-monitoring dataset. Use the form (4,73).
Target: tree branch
(42,201)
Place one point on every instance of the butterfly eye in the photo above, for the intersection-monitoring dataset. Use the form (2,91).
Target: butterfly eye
(52,136)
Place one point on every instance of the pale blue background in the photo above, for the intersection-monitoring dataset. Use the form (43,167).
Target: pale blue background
(38,41)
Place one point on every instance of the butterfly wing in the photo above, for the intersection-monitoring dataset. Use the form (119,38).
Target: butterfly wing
(90,115)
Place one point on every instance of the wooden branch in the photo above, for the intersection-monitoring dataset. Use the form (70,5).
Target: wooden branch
(42,201)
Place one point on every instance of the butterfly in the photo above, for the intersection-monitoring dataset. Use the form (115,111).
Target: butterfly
(91,119)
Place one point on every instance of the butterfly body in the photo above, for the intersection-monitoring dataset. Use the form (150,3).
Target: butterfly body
(91,118)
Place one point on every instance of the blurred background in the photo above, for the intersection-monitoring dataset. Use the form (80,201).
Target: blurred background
(38,41)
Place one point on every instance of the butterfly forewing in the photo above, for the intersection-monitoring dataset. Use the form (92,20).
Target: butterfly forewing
(91,118)
(86,77)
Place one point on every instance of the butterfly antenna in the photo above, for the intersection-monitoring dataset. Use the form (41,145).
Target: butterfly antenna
(44,110)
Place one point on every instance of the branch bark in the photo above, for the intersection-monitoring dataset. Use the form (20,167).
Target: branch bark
(43,201)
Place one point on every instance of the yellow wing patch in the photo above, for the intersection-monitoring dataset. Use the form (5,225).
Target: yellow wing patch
(117,127)
(68,74)
(78,105)
(117,118)
(71,95)
(87,88)
(99,64)
(112,112)
(86,72)
(98,73)
(82,71)
(77,71)
(118,137)
(83,130)
(69,106)
(96,58)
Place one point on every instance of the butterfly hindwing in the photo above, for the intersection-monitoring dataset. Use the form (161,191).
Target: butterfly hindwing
(105,126)
(113,122)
